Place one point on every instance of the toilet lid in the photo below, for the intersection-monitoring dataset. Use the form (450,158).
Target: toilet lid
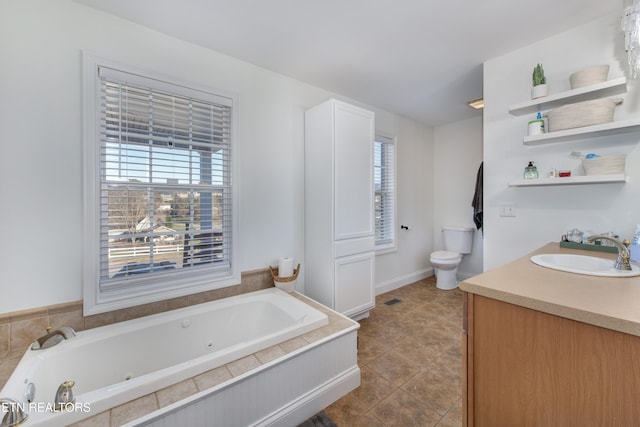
(445,255)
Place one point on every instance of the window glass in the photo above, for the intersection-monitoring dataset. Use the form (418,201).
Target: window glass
(162,157)
(384,184)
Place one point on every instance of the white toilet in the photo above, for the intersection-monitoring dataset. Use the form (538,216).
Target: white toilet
(457,242)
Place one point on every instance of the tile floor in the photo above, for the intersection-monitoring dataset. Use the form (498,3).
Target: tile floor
(410,360)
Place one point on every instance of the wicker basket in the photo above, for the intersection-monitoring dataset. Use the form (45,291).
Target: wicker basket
(604,165)
(287,284)
(589,76)
(581,114)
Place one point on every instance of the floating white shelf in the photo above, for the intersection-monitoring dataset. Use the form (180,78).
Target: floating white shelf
(605,129)
(570,180)
(600,90)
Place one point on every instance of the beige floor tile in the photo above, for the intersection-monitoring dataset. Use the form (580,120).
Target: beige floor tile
(348,419)
(453,417)
(370,349)
(436,387)
(420,353)
(410,356)
(388,333)
(373,389)
(401,409)
(394,367)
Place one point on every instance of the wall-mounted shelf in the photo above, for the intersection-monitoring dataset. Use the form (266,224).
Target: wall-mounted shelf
(604,129)
(600,90)
(571,180)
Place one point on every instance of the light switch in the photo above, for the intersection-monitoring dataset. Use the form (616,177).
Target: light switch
(507,210)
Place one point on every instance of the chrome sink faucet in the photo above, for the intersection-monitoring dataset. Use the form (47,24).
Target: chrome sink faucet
(53,338)
(622,262)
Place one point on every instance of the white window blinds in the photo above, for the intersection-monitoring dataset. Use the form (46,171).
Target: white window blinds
(165,180)
(384,184)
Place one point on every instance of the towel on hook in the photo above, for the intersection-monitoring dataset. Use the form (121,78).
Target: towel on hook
(477,200)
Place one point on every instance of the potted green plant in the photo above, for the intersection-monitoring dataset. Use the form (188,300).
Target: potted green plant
(540,87)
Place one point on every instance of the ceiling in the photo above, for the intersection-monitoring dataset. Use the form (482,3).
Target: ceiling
(418,58)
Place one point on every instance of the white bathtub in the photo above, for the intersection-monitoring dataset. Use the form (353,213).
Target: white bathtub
(114,364)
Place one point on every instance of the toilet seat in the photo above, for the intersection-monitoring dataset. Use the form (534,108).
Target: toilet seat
(446,256)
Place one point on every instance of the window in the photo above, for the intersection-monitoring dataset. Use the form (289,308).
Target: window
(159,197)
(384,166)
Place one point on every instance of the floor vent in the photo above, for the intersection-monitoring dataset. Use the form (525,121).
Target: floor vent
(392,301)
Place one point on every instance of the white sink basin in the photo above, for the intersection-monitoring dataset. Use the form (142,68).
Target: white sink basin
(582,264)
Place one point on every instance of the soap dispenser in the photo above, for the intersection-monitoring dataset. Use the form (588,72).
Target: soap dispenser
(634,249)
(530,172)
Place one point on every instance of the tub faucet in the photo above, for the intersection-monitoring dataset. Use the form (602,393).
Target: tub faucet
(622,262)
(13,412)
(53,338)
(64,396)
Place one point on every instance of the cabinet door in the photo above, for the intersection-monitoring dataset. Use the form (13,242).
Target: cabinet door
(354,283)
(529,368)
(353,186)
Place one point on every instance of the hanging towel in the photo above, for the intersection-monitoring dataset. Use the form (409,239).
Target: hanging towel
(477,200)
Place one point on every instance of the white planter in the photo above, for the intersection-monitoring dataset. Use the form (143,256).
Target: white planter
(539,91)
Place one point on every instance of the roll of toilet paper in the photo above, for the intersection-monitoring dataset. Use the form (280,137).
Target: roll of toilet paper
(285,267)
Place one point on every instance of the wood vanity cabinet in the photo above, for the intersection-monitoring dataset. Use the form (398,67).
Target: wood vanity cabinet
(523,367)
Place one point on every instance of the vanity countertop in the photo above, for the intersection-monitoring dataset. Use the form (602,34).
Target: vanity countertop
(612,303)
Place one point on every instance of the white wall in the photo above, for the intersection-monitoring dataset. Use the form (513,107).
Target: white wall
(415,208)
(457,155)
(40,136)
(543,214)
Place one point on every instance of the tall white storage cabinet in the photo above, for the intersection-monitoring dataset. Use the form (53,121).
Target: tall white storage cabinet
(339,211)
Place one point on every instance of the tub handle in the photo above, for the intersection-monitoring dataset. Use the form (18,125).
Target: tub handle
(64,395)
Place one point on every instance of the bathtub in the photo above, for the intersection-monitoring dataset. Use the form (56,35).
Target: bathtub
(117,363)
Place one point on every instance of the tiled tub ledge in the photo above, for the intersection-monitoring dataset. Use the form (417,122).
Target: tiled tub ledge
(302,375)
(281,385)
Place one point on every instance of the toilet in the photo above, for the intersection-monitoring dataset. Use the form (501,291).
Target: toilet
(457,242)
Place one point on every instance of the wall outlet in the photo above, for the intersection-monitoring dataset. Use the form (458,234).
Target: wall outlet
(507,210)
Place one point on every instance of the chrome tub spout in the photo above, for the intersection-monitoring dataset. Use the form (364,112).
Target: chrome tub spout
(53,338)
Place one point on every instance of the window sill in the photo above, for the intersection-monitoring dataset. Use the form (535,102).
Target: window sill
(386,249)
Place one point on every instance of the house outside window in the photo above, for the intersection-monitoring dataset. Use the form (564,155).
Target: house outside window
(384,178)
(159,199)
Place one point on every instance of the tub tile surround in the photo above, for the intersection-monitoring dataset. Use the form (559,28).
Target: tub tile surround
(19,329)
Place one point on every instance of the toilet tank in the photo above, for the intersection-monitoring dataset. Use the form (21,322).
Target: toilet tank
(457,239)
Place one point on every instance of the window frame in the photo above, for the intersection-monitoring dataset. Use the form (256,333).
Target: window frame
(387,246)
(99,299)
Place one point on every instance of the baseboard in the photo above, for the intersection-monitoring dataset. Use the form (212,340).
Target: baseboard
(314,401)
(400,281)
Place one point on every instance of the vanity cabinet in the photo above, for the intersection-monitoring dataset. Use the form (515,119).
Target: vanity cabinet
(527,368)
(339,207)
